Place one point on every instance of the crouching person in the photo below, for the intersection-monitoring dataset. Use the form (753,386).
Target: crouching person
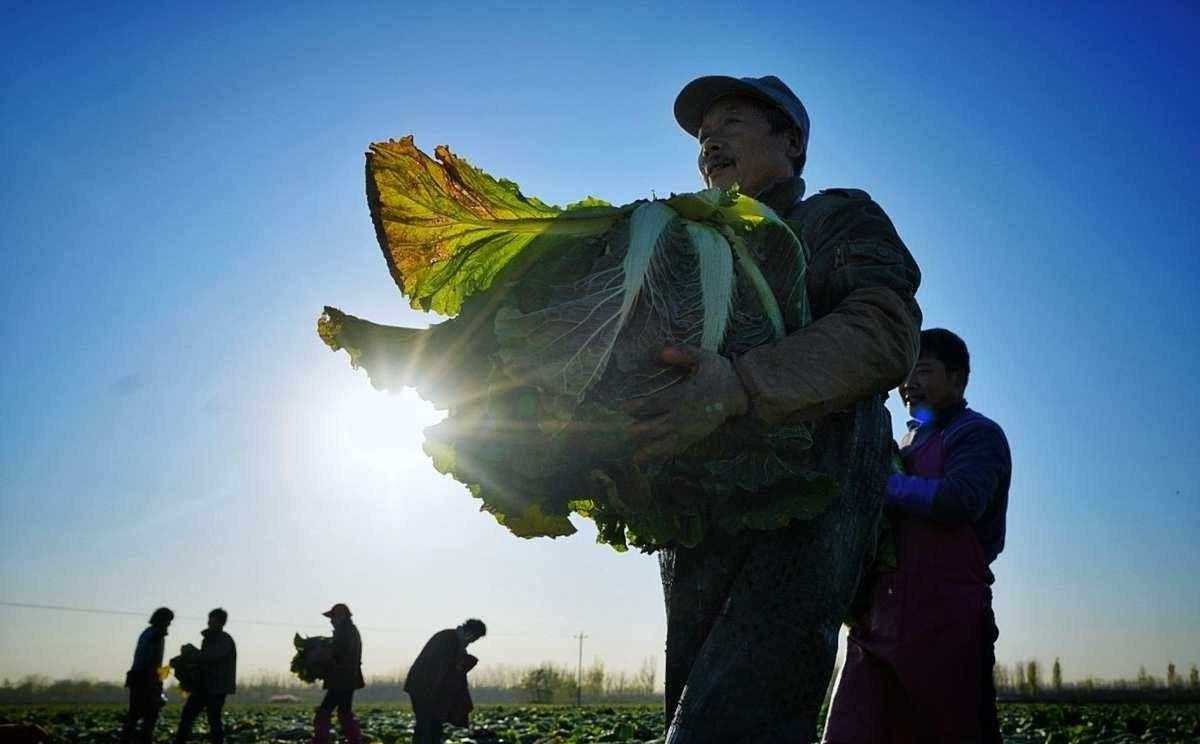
(344,677)
(218,664)
(919,665)
(437,681)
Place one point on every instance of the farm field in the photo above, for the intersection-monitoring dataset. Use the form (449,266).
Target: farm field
(1022,723)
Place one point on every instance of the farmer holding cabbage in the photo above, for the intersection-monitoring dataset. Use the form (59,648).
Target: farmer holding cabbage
(753,617)
(341,680)
(216,661)
(694,374)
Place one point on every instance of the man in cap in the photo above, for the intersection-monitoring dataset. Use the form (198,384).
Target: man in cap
(437,681)
(342,679)
(217,659)
(143,680)
(753,618)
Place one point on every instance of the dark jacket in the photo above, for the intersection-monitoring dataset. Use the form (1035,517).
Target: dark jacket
(977,472)
(147,658)
(436,681)
(218,658)
(866,325)
(862,341)
(725,597)
(346,672)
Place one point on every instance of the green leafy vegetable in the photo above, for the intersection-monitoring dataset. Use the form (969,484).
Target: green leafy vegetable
(313,657)
(559,317)
(186,666)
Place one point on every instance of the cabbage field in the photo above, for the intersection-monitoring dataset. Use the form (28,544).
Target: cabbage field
(1021,722)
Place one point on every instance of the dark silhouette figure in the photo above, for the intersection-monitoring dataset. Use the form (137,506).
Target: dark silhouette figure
(437,681)
(344,677)
(145,686)
(218,678)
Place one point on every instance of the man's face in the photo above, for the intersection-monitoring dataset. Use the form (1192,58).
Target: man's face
(930,388)
(737,146)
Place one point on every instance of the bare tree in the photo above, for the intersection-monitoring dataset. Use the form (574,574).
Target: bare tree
(1056,675)
(1033,675)
(1001,678)
(647,676)
(593,679)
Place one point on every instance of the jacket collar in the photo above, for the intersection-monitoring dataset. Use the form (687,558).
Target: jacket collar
(782,195)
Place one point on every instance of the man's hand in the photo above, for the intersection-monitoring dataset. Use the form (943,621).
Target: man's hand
(674,419)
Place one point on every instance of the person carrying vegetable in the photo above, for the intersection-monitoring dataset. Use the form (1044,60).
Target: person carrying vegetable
(217,660)
(752,618)
(919,664)
(437,681)
(143,680)
(343,678)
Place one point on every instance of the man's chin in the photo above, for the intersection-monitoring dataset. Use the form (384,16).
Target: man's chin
(723,181)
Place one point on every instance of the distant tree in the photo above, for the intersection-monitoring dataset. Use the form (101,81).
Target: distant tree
(1033,676)
(1172,678)
(593,679)
(1056,675)
(1022,685)
(539,683)
(647,676)
(1144,680)
(1001,679)
(1194,678)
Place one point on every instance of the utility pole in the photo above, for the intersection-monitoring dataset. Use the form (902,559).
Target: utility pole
(579,672)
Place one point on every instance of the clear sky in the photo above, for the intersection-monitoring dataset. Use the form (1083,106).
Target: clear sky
(182,191)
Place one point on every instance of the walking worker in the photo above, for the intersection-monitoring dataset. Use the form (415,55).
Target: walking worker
(143,679)
(919,668)
(218,678)
(344,677)
(437,681)
(753,617)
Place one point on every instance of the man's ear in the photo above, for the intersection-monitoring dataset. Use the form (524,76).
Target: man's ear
(958,378)
(795,148)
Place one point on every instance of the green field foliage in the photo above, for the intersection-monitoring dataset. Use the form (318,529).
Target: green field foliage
(1022,723)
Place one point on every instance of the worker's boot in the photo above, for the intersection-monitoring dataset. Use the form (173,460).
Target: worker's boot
(350,730)
(322,724)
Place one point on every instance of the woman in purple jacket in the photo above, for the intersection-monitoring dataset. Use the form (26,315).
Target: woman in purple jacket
(919,665)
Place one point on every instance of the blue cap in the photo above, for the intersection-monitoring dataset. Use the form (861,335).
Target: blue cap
(697,96)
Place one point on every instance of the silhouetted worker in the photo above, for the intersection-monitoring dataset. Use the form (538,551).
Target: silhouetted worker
(145,686)
(919,665)
(344,677)
(437,681)
(218,678)
(753,616)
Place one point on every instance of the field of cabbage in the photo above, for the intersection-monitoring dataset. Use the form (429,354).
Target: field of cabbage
(1022,723)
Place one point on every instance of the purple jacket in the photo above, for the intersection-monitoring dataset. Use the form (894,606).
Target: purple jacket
(976,472)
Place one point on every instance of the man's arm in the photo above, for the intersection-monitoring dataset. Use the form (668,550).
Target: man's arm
(975,463)
(867,332)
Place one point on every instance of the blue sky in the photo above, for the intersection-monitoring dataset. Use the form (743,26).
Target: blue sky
(183,191)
